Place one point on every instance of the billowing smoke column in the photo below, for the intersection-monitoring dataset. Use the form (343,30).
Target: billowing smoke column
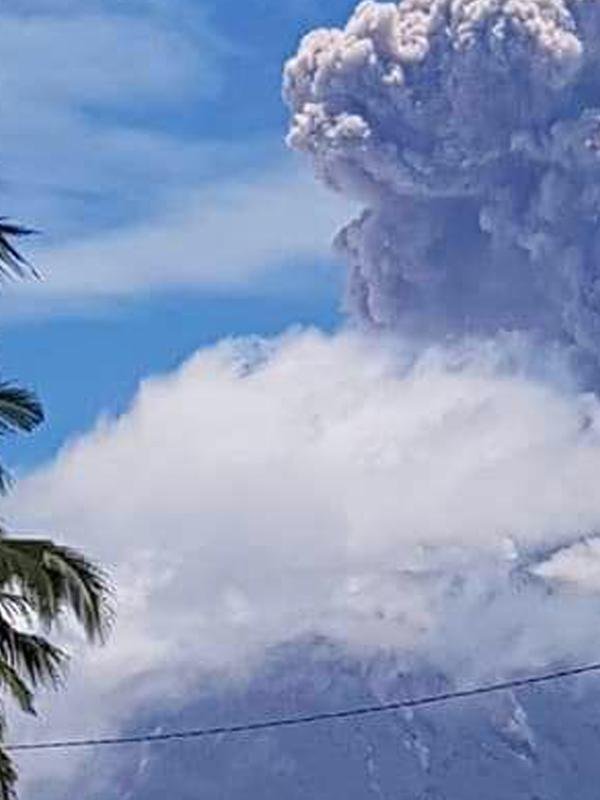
(470,131)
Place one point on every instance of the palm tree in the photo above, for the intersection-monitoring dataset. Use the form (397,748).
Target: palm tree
(41,583)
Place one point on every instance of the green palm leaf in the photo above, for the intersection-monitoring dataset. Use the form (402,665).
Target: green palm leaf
(54,580)
(16,687)
(8,777)
(20,692)
(12,264)
(20,411)
(32,656)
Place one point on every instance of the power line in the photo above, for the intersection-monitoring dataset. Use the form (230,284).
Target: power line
(307,719)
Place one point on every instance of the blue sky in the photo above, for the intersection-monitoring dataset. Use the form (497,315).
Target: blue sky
(144,141)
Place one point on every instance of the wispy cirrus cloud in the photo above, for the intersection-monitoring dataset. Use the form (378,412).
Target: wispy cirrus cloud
(228,235)
(106,151)
(91,95)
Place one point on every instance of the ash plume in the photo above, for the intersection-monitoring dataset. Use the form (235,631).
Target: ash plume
(470,131)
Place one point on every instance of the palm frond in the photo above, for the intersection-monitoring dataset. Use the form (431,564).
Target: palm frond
(20,572)
(8,771)
(8,777)
(31,656)
(16,687)
(16,608)
(20,409)
(13,265)
(83,587)
(54,579)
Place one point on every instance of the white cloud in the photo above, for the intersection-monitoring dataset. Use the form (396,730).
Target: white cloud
(386,499)
(576,565)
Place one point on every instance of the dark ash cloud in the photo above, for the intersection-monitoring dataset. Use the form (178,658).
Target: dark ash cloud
(471,132)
